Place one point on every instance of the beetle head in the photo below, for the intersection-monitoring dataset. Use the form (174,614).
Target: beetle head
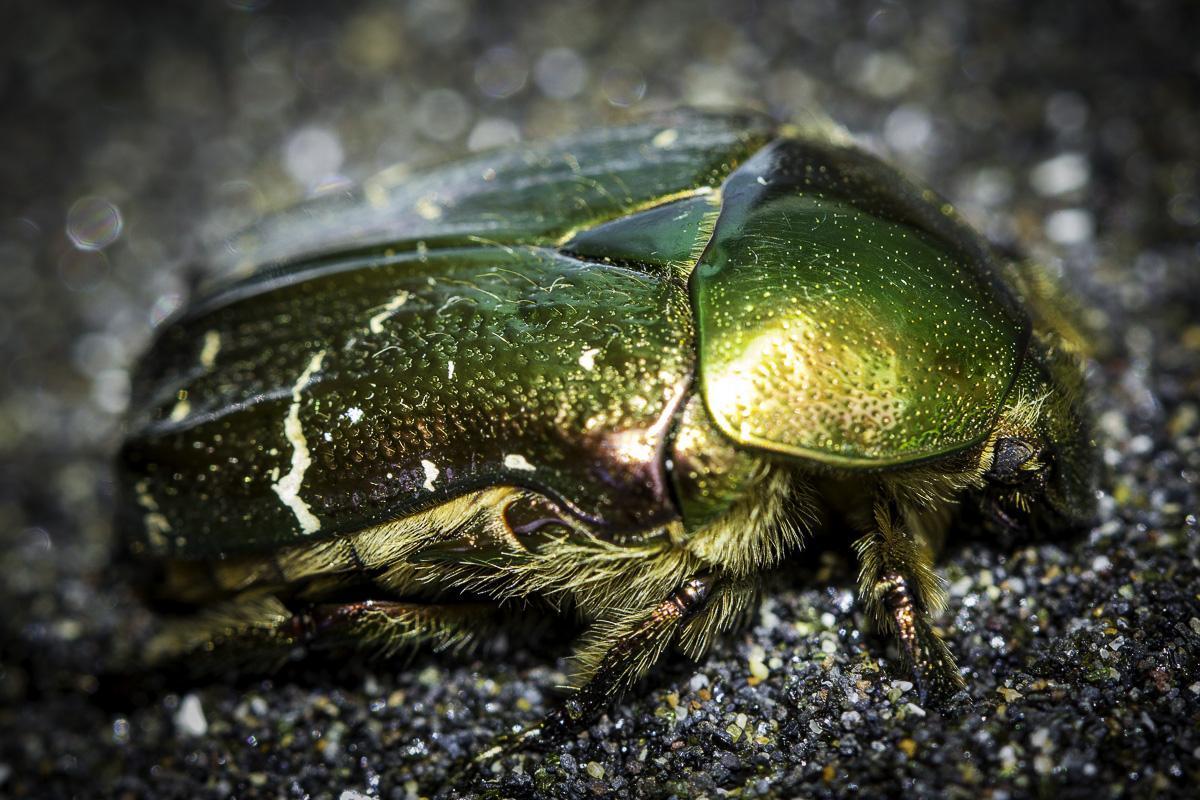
(1042,469)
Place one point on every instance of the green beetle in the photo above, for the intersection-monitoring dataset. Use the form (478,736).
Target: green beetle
(622,373)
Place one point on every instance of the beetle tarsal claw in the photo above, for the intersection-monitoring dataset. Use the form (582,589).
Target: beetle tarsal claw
(900,604)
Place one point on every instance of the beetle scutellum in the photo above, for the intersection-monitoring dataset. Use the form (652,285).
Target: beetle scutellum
(624,372)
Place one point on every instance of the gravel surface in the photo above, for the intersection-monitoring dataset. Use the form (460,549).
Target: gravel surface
(138,134)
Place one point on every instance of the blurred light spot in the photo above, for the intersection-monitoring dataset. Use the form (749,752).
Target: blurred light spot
(708,84)
(908,129)
(623,86)
(312,154)
(110,390)
(1066,112)
(1070,226)
(437,21)
(501,72)
(884,74)
(96,352)
(990,186)
(791,90)
(493,132)
(373,41)
(93,223)
(82,270)
(560,73)
(165,306)
(1061,174)
(442,114)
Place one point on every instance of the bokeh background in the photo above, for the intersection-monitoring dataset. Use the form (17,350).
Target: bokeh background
(136,136)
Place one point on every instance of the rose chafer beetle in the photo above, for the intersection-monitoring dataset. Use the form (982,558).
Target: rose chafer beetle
(624,373)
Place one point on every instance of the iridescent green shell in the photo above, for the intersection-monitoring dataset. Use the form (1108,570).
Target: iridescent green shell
(414,344)
(846,316)
(551,317)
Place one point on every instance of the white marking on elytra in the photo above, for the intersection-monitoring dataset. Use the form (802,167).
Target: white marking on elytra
(354,414)
(450,369)
(665,138)
(288,487)
(588,359)
(761,180)
(431,473)
(181,409)
(518,461)
(389,310)
(212,346)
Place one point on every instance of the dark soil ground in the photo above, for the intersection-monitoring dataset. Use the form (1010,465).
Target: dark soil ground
(137,134)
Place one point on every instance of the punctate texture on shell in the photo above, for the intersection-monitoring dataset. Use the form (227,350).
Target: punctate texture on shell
(846,316)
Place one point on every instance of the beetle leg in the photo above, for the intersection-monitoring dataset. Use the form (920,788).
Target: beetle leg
(633,646)
(898,586)
(250,630)
(260,631)
(386,627)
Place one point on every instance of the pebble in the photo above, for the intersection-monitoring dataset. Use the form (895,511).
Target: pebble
(758,668)
(189,718)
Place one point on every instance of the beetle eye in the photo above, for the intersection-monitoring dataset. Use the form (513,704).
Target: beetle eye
(1010,455)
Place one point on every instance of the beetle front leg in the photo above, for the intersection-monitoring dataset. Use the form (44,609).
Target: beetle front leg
(900,590)
(630,647)
(633,647)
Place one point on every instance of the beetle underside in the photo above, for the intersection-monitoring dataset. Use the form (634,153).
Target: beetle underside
(444,577)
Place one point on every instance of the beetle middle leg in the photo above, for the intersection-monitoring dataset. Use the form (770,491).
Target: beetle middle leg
(900,590)
(385,627)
